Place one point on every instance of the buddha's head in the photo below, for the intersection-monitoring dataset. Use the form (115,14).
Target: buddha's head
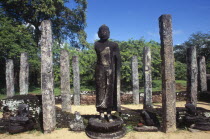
(103,32)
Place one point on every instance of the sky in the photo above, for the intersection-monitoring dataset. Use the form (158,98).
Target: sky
(134,19)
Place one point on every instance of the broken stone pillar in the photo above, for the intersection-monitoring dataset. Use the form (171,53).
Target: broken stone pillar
(65,81)
(147,78)
(10,78)
(47,85)
(202,81)
(135,80)
(76,80)
(168,77)
(24,74)
(192,73)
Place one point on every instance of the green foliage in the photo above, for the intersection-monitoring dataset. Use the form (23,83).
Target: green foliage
(135,47)
(156,85)
(37,91)
(87,62)
(202,43)
(14,39)
(87,59)
(67,23)
(180,71)
(127,50)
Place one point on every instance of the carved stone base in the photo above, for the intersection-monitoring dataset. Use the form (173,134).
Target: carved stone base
(98,129)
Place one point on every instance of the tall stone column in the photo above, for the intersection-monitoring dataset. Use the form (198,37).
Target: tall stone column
(202,81)
(10,78)
(135,79)
(24,74)
(147,78)
(168,78)
(47,82)
(65,81)
(76,80)
(118,67)
(192,76)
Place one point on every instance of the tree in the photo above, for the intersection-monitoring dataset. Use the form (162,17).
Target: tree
(14,39)
(66,23)
(202,43)
(135,47)
(180,70)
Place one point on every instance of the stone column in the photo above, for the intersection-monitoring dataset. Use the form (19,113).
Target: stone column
(65,81)
(202,81)
(118,67)
(47,82)
(76,80)
(147,78)
(135,79)
(192,73)
(168,77)
(24,74)
(10,78)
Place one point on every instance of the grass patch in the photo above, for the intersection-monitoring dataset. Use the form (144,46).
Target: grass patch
(157,85)
(2,96)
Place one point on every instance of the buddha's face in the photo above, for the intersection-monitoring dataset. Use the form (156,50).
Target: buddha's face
(103,32)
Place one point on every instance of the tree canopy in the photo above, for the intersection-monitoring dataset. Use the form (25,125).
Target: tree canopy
(202,43)
(68,24)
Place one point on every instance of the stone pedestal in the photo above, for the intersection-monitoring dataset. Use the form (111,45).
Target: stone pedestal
(98,129)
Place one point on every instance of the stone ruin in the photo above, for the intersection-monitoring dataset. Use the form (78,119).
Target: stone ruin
(27,112)
(21,113)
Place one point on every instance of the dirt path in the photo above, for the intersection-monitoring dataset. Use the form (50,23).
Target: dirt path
(90,109)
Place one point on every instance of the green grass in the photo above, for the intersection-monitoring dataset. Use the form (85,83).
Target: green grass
(156,86)
(37,91)
(2,96)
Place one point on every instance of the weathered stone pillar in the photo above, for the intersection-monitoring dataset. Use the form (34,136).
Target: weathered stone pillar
(118,67)
(47,85)
(24,74)
(76,80)
(147,78)
(10,78)
(202,81)
(65,81)
(168,78)
(135,79)
(192,76)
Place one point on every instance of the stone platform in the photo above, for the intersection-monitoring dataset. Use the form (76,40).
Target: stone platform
(98,129)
